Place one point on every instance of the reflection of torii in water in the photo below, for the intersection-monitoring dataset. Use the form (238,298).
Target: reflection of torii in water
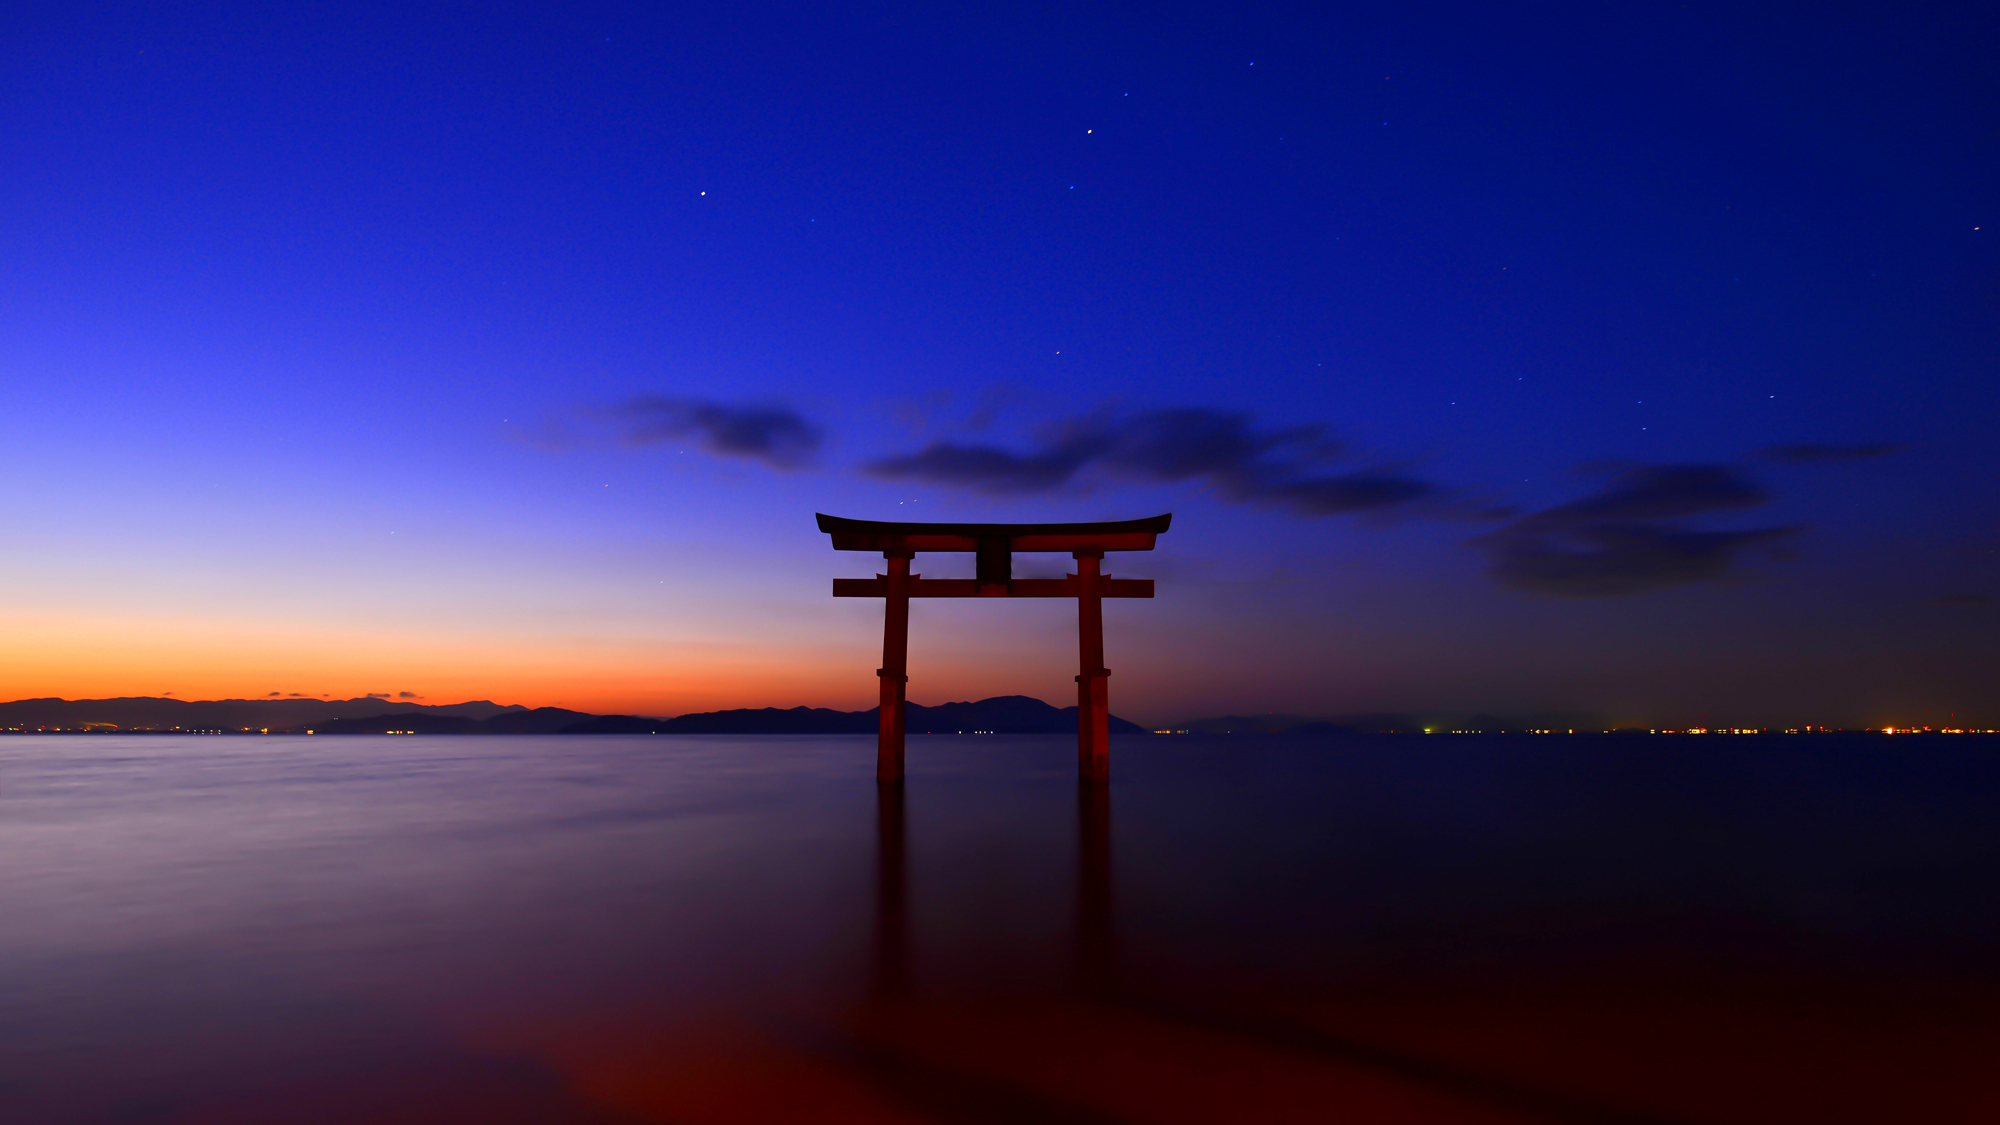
(995,544)
(1094,971)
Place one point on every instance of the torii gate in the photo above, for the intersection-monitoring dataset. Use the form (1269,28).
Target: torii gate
(995,544)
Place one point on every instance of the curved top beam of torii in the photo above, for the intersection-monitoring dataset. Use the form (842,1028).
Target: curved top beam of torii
(885,535)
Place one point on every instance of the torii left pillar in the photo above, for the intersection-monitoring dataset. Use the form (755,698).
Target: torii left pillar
(895,669)
(1093,679)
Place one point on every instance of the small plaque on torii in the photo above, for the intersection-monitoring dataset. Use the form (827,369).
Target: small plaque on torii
(994,546)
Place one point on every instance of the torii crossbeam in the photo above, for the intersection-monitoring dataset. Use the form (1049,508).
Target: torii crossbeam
(995,544)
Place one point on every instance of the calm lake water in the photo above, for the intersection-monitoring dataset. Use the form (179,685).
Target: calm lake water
(613,929)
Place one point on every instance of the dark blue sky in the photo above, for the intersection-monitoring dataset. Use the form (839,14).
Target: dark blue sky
(1636,359)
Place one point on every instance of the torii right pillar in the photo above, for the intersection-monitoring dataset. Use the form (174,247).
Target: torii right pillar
(1093,679)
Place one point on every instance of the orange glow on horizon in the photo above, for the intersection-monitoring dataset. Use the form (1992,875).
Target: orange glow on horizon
(202,660)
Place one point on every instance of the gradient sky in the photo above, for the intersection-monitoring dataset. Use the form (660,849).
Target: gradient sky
(1638,359)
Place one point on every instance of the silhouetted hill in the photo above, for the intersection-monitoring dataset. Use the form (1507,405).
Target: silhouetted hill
(618,724)
(156,713)
(1006,714)
(402,722)
(541,720)
(1002,714)
(771,720)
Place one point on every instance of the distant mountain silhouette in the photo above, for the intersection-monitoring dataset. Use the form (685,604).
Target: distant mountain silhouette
(541,720)
(1004,714)
(761,720)
(156,713)
(618,724)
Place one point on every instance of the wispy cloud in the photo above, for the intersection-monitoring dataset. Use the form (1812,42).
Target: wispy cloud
(1285,468)
(776,435)
(408,695)
(1624,538)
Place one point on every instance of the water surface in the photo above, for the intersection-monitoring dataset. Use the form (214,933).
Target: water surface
(613,929)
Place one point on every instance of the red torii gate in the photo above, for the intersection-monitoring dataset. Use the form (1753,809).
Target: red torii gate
(994,544)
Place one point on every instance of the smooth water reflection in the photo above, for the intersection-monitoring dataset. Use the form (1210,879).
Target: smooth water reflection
(728,929)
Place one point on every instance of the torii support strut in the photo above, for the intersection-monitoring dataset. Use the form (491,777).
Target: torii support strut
(994,544)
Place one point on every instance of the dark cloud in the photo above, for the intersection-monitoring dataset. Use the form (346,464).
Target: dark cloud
(1830,452)
(1622,539)
(775,435)
(1970,597)
(986,468)
(1605,561)
(1178,444)
(408,695)
(276,693)
(1657,492)
(1283,467)
(378,695)
(1342,493)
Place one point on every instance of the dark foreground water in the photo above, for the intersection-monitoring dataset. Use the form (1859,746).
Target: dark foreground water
(576,929)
